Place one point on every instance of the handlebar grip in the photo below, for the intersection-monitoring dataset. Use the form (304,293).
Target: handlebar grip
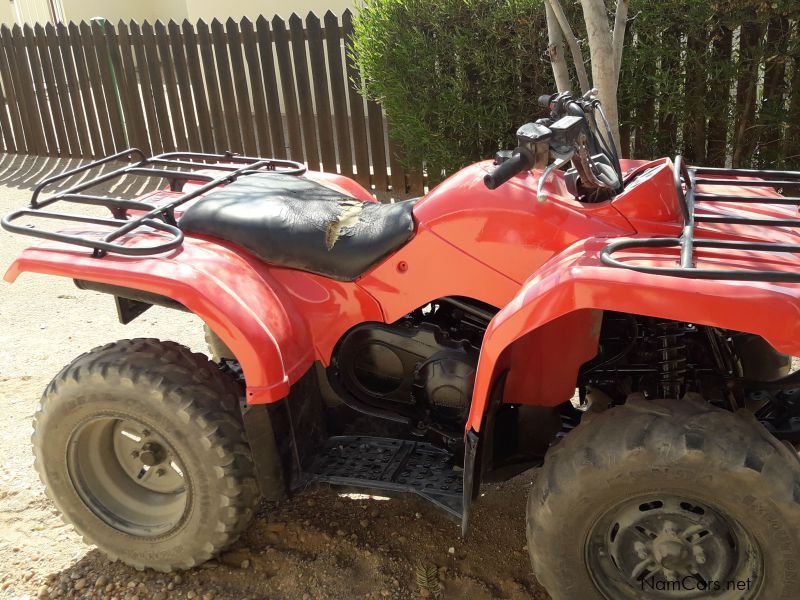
(505,171)
(544,101)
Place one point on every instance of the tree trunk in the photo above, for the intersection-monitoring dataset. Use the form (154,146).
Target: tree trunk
(555,50)
(746,87)
(572,42)
(719,89)
(619,35)
(694,122)
(625,106)
(604,71)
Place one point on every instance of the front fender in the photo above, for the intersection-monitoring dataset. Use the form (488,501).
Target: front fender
(234,294)
(576,280)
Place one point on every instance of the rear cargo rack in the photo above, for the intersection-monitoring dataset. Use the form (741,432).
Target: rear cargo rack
(177,168)
(686,181)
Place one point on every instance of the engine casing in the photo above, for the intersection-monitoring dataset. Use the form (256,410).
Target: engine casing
(407,364)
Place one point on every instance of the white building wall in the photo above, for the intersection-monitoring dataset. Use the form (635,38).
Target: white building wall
(33,11)
(210,9)
(83,10)
(7,13)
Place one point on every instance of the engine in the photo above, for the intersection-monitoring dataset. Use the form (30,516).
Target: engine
(422,366)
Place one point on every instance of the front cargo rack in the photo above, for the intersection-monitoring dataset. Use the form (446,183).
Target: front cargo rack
(177,168)
(686,181)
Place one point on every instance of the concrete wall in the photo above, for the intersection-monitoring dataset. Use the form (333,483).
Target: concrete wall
(7,13)
(83,10)
(210,9)
(27,12)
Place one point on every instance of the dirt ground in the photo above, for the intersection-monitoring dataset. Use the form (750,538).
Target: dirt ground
(321,543)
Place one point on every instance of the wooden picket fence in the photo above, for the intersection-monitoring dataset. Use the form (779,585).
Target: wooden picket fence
(263,88)
(286,88)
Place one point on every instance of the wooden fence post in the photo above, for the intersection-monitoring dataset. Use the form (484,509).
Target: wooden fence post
(193,65)
(212,87)
(356,109)
(135,107)
(173,96)
(15,135)
(322,101)
(281,39)
(156,142)
(333,41)
(242,89)
(265,52)
(261,122)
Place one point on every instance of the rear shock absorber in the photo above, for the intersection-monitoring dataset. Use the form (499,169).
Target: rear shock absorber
(672,359)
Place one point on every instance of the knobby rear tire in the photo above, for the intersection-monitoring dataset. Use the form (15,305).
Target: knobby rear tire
(193,406)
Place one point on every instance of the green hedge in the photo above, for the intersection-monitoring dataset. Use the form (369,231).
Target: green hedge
(713,79)
(456,77)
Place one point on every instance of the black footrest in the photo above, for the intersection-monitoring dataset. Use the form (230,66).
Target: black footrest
(391,465)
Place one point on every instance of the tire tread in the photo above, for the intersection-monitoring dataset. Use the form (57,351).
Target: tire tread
(657,432)
(193,386)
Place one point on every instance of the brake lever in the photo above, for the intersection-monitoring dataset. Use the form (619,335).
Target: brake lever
(592,95)
(560,161)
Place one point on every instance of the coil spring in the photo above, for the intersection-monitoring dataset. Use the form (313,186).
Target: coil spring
(672,359)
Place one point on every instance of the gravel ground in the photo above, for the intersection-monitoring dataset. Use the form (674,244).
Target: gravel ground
(318,544)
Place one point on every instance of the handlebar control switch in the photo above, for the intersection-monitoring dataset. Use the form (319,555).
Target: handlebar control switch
(565,133)
(535,137)
(532,133)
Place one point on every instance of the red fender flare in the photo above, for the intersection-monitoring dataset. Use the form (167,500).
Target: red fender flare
(576,279)
(233,293)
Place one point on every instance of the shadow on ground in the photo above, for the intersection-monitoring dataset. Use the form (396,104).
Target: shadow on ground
(324,544)
(26,172)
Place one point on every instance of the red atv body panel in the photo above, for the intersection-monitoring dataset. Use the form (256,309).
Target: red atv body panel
(265,315)
(537,262)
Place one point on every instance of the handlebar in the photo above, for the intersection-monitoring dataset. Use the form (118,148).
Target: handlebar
(572,134)
(520,161)
(545,100)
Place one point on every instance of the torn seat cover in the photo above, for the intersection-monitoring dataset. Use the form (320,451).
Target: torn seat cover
(295,222)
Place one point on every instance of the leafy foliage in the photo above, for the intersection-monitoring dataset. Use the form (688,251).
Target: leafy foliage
(427,577)
(684,64)
(456,77)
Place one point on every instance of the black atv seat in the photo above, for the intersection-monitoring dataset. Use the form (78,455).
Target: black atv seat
(294,222)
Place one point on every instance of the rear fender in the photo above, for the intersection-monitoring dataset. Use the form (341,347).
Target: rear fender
(234,294)
(340,183)
(550,328)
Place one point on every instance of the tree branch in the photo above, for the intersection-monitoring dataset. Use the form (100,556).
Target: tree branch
(555,51)
(572,42)
(603,70)
(618,41)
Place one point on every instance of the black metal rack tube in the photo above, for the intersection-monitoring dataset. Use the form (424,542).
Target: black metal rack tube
(688,243)
(160,218)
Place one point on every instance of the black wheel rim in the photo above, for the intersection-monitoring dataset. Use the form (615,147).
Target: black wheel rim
(128,475)
(672,547)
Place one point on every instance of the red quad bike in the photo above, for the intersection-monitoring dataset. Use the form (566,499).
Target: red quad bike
(430,345)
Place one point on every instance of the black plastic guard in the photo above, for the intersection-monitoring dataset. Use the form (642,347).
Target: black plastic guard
(392,465)
(261,438)
(470,481)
